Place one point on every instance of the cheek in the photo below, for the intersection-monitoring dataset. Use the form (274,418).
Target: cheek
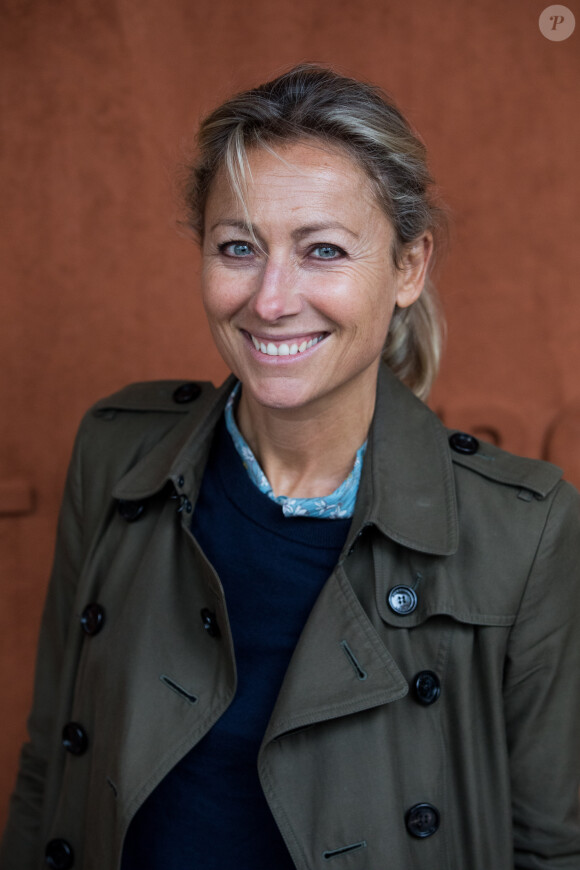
(221,295)
(363,303)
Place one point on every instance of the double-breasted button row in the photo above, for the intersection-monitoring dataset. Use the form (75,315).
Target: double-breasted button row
(74,736)
(425,686)
(422,820)
(59,855)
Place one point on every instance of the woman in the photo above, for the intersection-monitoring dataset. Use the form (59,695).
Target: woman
(386,671)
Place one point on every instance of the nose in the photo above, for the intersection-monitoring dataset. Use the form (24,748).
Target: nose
(276,295)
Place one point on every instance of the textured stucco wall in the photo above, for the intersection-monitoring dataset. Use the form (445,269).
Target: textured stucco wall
(97,101)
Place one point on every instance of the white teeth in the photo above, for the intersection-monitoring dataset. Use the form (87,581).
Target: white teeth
(284,349)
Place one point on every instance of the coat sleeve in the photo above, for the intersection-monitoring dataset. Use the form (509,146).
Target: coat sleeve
(542,698)
(21,848)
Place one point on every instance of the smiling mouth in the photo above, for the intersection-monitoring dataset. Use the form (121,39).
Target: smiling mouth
(285,348)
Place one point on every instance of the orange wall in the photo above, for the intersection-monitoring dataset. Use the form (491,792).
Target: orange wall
(98,97)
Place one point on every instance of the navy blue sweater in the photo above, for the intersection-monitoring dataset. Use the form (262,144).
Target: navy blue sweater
(209,812)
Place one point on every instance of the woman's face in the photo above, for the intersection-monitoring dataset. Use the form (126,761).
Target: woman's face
(302,318)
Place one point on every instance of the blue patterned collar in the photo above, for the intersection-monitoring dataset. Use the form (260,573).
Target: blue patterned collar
(337,505)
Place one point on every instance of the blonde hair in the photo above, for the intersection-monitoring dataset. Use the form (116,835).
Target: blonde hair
(311,101)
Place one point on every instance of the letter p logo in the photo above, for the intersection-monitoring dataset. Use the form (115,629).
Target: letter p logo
(557,23)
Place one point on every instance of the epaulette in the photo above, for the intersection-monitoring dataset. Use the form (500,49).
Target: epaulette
(534,475)
(157,396)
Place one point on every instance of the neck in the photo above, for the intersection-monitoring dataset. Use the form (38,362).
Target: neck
(306,452)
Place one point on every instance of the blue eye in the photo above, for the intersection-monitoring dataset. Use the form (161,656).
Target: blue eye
(235,249)
(327,252)
(241,249)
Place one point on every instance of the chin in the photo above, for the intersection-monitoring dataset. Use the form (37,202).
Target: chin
(280,396)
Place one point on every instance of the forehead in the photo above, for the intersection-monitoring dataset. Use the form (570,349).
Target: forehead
(298,177)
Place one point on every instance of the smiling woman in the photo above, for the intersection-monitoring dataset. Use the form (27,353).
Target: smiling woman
(293,620)
(339,116)
(299,300)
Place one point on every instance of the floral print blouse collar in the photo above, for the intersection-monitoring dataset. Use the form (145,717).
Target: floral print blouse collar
(337,505)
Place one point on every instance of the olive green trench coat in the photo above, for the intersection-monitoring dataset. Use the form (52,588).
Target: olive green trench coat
(434,727)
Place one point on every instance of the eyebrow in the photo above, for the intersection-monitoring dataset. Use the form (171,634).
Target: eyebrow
(301,232)
(239,225)
(297,234)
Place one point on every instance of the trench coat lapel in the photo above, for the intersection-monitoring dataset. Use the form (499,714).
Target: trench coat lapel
(407,492)
(339,667)
(407,487)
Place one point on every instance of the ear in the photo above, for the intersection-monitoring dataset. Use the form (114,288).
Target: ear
(413,270)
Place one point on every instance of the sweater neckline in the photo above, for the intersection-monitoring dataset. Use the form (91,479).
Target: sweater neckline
(338,505)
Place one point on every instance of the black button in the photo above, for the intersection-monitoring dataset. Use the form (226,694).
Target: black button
(74,738)
(93,619)
(210,622)
(402,600)
(59,855)
(180,480)
(426,687)
(186,393)
(131,510)
(184,504)
(422,820)
(461,442)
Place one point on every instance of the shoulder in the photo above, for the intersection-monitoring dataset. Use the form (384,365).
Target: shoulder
(477,459)
(517,519)
(512,504)
(137,417)
(150,419)
(161,397)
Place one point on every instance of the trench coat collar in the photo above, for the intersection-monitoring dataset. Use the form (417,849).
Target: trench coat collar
(407,486)
(182,453)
